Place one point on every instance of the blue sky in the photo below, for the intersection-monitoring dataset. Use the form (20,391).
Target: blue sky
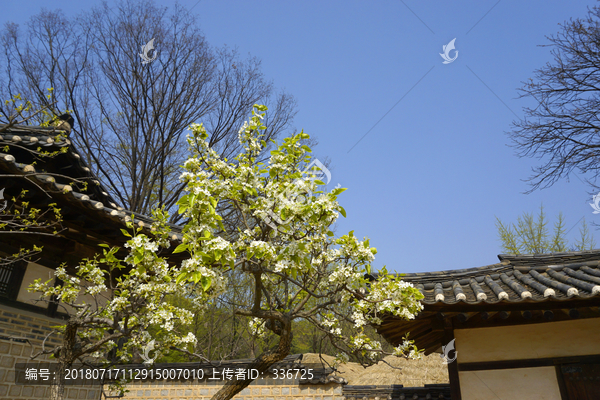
(427,182)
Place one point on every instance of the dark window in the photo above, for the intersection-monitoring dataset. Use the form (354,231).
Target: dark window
(11,275)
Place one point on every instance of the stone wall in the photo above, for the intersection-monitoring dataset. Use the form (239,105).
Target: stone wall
(20,332)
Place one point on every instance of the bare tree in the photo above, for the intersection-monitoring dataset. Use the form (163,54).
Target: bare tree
(131,117)
(562,129)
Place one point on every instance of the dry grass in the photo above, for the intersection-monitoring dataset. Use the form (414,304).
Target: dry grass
(412,373)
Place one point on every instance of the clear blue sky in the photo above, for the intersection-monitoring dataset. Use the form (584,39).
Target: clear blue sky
(428,181)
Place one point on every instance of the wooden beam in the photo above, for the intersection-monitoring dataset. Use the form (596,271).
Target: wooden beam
(527,363)
(526,314)
(453,366)
(504,314)
(464,317)
(548,304)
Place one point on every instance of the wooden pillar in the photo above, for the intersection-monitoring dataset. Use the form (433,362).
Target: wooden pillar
(453,366)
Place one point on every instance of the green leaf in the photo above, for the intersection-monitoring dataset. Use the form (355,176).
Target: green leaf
(319,182)
(125,233)
(205,282)
(183,203)
(181,277)
(342,211)
(104,245)
(181,248)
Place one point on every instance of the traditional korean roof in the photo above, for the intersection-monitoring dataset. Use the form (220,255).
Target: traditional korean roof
(519,289)
(89,211)
(516,278)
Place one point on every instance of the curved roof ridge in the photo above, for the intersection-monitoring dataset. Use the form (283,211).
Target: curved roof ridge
(455,273)
(544,256)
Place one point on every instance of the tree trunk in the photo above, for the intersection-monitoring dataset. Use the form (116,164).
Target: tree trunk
(261,364)
(65,360)
(57,387)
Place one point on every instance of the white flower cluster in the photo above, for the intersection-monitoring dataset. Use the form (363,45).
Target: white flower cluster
(329,321)
(247,135)
(266,249)
(395,296)
(217,243)
(408,349)
(362,342)
(344,274)
(257,327)
(218,280)
(359,319)
(189,338)
(143,242)
(281,266)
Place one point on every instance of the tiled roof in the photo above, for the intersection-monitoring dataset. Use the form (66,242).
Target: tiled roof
(516,278)
(520,289)
(56,175)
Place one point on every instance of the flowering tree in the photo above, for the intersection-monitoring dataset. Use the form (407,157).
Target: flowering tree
(299,269)
(111,328)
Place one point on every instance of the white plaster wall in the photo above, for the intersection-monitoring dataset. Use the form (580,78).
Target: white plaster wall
(510,384)
(33,272)
(544,340)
